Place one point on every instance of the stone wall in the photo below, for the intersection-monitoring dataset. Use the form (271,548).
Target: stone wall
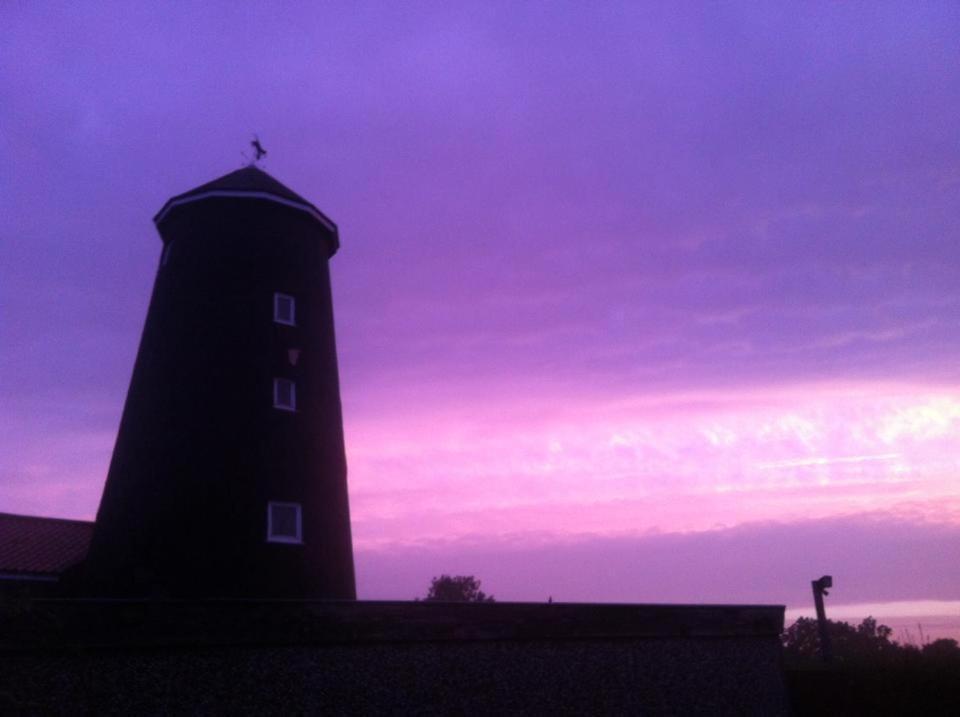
(382,658)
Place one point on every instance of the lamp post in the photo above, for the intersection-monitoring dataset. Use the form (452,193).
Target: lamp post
(819,590)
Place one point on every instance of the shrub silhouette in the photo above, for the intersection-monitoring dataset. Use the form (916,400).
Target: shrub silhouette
(456,588)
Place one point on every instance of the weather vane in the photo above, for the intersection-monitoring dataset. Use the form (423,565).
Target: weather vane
(258,150)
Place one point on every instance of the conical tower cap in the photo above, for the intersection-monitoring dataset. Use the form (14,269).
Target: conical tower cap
(254,183)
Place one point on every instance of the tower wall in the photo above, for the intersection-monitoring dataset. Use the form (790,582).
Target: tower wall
(201,449)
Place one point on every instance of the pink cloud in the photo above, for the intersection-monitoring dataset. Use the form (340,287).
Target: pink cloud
(671,462)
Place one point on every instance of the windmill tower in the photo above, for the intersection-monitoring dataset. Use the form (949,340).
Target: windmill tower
(228,478)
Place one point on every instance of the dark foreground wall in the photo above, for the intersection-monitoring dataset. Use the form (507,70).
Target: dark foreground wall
(377,658)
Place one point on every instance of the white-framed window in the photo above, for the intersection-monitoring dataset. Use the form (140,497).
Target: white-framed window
(284,394)
(284,523)
(284,309)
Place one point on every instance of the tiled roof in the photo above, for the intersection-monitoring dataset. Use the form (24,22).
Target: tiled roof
(42,546)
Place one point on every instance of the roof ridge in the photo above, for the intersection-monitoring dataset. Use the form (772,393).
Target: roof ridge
(46,517)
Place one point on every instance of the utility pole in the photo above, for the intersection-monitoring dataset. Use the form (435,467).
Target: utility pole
(819,590)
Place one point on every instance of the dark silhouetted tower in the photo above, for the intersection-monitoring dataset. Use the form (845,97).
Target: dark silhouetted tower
(228,478)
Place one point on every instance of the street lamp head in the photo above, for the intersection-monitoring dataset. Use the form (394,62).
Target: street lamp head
(822,584)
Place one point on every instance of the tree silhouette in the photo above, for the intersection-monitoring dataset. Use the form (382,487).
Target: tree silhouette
(871,674)
(867,642)
(456,588)
(944,650)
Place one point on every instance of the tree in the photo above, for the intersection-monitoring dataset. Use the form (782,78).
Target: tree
(867,642)
(456,588)
(943,650)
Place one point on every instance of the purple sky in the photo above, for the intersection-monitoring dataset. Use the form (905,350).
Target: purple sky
(626,294)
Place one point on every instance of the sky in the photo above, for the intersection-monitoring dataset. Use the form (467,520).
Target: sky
(650,302)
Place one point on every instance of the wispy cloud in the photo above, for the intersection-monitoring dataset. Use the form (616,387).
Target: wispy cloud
(826,461)
(686,461)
